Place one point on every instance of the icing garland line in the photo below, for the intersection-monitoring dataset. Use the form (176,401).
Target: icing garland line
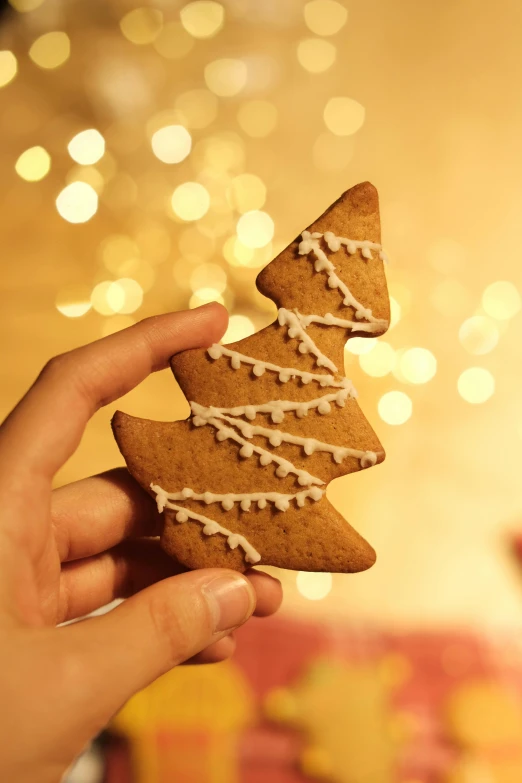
(297,329)
(310,445)
(277,408)
(280,500)
(210,526)
(216,351)
(331,320)
(310,243)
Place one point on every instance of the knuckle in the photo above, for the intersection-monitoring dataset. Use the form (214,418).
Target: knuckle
(55,366)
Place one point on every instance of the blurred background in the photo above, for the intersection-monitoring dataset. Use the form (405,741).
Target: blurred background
(156,156)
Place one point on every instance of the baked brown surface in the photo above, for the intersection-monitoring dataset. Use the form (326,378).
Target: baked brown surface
(177,455)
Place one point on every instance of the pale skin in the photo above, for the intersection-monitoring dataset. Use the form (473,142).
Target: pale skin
(66,552)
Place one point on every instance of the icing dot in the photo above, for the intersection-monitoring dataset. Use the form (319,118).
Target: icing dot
(258,370)
(281,317)
(282,504)
(277,416)
(181,516)
(332,281)
(215,352)
(303,348)
(247,450)
(261,503)
(351,248)
(282,471)
(208,497)
(250,412)
(276,438)
(301,411)
(233,541)
(306,378)
(369,459)
(186,493)
(329,319)
(248,431)
(227,504)
(284,377)
(325,382)
(338,455)
(199,421)
(341,399)
(300,499)
(366,252)
(211,528)
(265,459)
(316,493)
(245,504)
(324,407)
(333,242)
(235,361)
(221,435)
(303,480)
(161,501)
(293,332)
(309,446)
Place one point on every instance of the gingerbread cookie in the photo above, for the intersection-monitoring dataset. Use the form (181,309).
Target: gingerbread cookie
(273,420)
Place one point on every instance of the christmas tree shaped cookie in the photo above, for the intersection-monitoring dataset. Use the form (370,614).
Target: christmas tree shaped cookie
(273,419)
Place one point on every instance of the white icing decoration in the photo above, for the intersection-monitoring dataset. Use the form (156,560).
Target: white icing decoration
(330,320)
(259,366)
(296,329)
(280,500)
(310,244)
(210,526)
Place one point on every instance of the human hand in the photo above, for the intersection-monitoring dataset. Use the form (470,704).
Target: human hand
(65,553)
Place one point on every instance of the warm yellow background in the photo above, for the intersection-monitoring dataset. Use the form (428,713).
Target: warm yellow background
(439,82)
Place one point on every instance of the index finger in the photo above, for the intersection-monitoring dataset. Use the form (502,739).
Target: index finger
(46,426)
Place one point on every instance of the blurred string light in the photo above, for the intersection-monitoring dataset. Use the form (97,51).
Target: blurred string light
(476,385)
(88,174)
(218,154)
(316,55)
(203,18)
(418,365)
(257,118)
(395,407)
(204,296)
(332,153)
(8,67)
(313,586)
(325,17)
(246,192)
(171,144)
(379,361)
(173,42)
(117,296)
(209,275)
(196,108)
(226,77)
(239,255)
(190,201)
(239,327)
(73,301)
(479,334)
(142,25)
(34,164)
(51,50)
(77,202)
(24,6)
(343,116)
(501,300)
(255,229)
(360,345)
(87,147)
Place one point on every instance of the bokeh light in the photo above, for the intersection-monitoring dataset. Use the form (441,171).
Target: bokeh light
(8,67)
(325,17)
(87,147)
(476,385)
(51,50)
(313,586)
(239,327)
(100,297)
(316,55)
(246,192)
(395,407)
(24,6)
(257,118)
(418,365)
(203,18)
(33,164)
(142,25)
(360,345)
(209,275)
(379,361)
(332,153)
(479,334)
(124,295)
(501,300)
(116,250)
(255,229)
(450,297)
(171,144)
(190,201)
(77,202)
(226,77)
(204,296)
(395,312)
(173,42)
(73,301)
(88,174)
(344,116)
(197,108)
(239,255)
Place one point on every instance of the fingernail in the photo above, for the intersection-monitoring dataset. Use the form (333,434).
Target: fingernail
(231,600)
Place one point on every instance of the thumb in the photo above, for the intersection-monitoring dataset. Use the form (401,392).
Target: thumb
(158,628)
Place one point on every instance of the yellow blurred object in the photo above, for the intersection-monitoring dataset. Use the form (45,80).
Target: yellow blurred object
(190,201)
(34,164)
(51,50)
(226,77)
(483,715)
(343,116)
(258,118)
(142,25)
(87,147)
(203,18)
(8,67)
(316,55)
(77,202)
(325,17)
